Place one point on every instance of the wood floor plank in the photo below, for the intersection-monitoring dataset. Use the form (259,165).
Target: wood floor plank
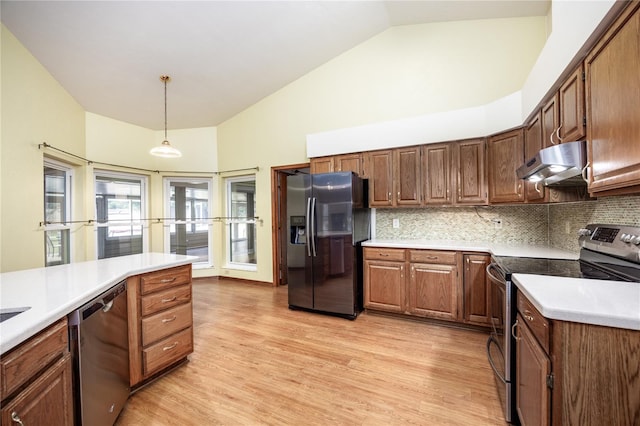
(256,362)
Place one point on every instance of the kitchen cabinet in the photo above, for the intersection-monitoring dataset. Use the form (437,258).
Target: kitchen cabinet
(433,284)
(407,176)
(476,293)
(437,161)
(430,289)
(160,321)
(384,282)
(549,121)
(505,153)
(381,178)
(337,163)
(36,380)
(469,171)
(572,373)
(533,143)
(571,107)
(613,106)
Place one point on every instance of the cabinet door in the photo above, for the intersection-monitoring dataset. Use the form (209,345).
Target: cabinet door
(506,154)
(46,401)
(476,289)
(321,165)
(571,95)
(613,105)
(407,166)
(469,166)
(532,369)
(384,286)
(381,178)
(348,163)
(437,173)
(550,122)
(433,291)
(534,192)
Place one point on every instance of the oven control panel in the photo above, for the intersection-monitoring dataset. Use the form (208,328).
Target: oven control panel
(617,240)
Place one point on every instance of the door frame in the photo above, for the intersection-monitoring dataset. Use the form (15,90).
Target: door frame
(278,216)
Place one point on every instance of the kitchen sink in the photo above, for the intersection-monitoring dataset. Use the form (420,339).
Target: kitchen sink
(7,313)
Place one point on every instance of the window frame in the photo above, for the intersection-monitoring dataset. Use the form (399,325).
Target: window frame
(168,221)
(66,225)
(229,264)
(144,224)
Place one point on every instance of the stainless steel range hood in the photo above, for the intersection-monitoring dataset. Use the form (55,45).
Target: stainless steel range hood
(558,165)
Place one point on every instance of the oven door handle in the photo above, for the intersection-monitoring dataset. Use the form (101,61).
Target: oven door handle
(497,277)
(492,339)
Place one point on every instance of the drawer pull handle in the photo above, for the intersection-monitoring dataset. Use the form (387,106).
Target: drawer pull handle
(527,315)
(16,418)
(168,280)
(168,348)
(384,254)
(164,320)
(168,300)
(432,257)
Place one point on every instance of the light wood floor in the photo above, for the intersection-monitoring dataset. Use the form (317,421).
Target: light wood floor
(257,362)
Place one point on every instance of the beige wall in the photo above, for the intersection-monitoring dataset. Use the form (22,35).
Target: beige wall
(35,109)
(404,71)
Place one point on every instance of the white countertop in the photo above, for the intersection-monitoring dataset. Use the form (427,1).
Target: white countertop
(497,249)
(53,292)
(599,302)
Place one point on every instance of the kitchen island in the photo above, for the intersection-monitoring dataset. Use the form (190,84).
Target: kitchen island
(51,293)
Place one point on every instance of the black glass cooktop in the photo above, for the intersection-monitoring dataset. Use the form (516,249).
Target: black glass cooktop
(558,268)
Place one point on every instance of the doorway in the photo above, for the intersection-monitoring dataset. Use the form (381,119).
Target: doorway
(279,231)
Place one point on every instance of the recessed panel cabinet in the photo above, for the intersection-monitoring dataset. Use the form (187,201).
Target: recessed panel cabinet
(477,298)
(533,143)
(384,282)
(437,162)
(407,166)
(338,163)
(381,178)
(613,105)
(571,108)
(469,172)
(505,154)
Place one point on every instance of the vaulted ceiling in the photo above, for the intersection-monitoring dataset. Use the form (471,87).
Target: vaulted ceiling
(222,56)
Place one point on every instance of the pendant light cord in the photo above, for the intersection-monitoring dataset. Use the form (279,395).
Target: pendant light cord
(165,78)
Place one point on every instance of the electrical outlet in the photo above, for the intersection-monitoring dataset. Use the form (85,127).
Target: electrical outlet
(396,223)
(497,223)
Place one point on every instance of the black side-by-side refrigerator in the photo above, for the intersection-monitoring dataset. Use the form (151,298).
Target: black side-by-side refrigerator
(328,219)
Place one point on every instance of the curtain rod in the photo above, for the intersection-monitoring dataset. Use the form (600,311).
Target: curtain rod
(151,219)
(90,162)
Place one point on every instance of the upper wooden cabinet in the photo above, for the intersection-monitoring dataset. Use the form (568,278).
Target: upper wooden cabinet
(436,172)
(469,172)
(533,142)
(381,178)
(549,121)
(505,154)
(613,106)
(571,110)
(338,163)
(407,166)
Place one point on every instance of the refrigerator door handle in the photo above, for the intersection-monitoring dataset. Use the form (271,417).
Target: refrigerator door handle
(313,226)
(308,227)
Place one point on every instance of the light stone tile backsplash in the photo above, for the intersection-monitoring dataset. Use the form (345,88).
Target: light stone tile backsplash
(553,224)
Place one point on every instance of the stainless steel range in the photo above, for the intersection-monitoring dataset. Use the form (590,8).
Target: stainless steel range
(607,252)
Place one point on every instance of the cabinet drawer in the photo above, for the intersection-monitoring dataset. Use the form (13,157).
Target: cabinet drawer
(165,299)
(538,324)
(22,363)
(433,256)
(164,323)
(165,278)
(384,253)
(167,351)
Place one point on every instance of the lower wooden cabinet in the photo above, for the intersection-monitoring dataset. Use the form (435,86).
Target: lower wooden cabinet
(160,321)
(570,373)
(36,377)
(477,297)
(429,289)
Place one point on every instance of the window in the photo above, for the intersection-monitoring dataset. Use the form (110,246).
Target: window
(57,211)
(188,230)
(120,208)
(241,231)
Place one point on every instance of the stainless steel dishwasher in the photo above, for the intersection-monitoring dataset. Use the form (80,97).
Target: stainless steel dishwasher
(100,345)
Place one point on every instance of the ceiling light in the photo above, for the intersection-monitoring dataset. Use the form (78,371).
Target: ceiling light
(165,150)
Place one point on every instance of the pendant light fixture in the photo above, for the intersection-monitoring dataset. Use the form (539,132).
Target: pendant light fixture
(165,150)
